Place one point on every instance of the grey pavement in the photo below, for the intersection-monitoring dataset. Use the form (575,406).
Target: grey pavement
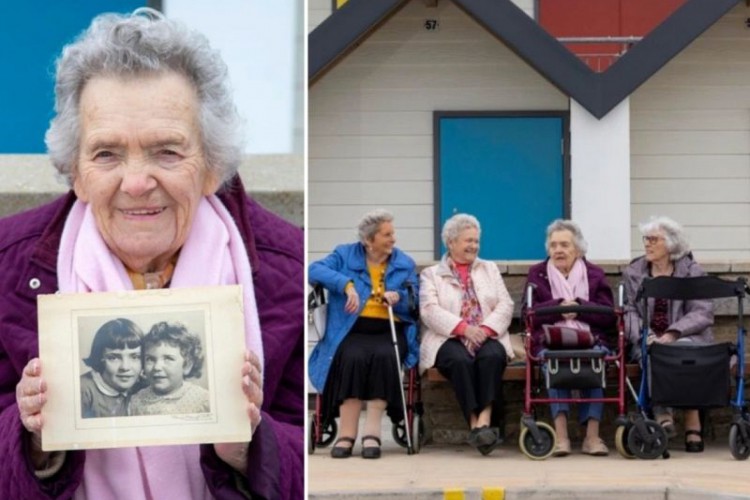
(455,472)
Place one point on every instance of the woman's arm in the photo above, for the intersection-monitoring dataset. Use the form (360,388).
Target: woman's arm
(435,316)
(502,314)
(327,271)
(698,314)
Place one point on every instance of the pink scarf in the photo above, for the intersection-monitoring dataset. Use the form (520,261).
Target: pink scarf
(213,254)
(575,286)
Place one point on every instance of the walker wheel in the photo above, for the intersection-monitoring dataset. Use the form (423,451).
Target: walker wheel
(311,438)
(650,445)
(542,449)
(417,433)
(398,431)
(621,440)
(739,447)
(326,437)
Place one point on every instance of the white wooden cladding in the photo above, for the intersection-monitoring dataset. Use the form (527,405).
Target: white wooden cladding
(691,142)
(371,120)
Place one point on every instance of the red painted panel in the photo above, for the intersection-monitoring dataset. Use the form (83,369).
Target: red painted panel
(600,18)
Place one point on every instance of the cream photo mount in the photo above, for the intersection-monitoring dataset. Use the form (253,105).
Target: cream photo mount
(67,324)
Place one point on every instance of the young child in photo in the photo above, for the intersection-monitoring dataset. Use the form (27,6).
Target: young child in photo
(170,355)
(115,363)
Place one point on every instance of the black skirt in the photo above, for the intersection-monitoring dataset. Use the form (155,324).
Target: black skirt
(365,368)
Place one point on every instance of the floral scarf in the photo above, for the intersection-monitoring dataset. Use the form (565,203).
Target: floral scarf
(471,312)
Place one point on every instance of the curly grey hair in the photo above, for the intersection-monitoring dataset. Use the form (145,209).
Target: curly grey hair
(145,43)
(453,227)
(370,223)
(674,235)
(568,225)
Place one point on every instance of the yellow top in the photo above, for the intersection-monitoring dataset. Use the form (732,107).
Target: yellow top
(375,307)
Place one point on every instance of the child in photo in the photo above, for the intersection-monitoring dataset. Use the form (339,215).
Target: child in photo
(170,355)
(115,363)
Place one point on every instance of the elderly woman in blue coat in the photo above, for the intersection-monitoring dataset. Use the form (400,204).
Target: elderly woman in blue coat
(356,360)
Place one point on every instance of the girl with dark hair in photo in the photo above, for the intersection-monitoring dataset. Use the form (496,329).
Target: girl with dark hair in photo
(115,362)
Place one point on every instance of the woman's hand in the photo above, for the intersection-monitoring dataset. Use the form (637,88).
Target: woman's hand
(667,337)
(391,298)
(31,395)
(235,454)
(352,300)
(569,316)
(475,335)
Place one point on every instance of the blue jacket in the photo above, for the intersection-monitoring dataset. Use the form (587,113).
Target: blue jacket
(348,263)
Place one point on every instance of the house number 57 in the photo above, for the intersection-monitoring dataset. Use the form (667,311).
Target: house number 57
(431,24)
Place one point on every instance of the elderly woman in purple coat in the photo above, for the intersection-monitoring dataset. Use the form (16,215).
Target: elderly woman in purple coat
(667,253)
(146,134)
(567,278)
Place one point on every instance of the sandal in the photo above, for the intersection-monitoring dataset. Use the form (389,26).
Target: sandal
(371,451)
(342,451)
(693,446)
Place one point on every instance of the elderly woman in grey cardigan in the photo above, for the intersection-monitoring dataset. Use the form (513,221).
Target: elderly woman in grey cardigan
(668,254)
(466,310)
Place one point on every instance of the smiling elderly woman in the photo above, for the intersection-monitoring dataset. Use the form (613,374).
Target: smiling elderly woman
(567,278)
(467,310)
(667,253)
(147,135)
(355,361)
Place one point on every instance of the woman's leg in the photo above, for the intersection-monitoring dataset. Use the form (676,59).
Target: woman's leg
(454,363)
(591,414)
(560,419)
(373,421)
(349,420)
(489,365)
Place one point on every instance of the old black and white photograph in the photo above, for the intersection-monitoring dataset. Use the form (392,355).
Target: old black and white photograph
(145,367)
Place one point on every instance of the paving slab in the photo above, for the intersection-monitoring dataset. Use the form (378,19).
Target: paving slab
(459,472)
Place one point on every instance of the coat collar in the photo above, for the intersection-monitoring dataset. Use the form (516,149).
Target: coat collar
(357,259)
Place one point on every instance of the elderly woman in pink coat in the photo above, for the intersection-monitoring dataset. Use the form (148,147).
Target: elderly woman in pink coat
(466,310)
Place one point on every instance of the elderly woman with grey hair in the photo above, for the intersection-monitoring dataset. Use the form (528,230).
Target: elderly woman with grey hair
(567,278)
(667,253)
(147,135)
(467,310)
(355,360)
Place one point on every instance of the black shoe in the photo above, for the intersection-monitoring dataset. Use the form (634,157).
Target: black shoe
(370,451)
(482,436)
(342,451)
(693,446)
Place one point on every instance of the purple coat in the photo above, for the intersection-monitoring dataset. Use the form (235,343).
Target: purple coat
(600,294)
(28,254)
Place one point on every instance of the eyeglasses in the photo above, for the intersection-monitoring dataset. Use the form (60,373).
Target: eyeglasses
(652,240)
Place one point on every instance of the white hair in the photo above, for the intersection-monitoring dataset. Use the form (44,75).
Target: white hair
(674,235)
(453,227)
(567,225)
(145,43)
(370,223)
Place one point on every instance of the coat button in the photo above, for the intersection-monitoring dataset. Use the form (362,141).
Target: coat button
(34,283)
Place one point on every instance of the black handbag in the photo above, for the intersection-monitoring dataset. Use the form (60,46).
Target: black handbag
(575,369)
(690,376)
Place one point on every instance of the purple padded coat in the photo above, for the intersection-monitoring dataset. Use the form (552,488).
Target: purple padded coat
(28,255)
(600,294)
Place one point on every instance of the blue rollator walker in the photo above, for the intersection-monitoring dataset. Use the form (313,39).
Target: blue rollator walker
(688,376)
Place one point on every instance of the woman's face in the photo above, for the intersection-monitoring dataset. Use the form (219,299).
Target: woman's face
(165,367)
(141,165)
(562,250)
(121,367)
(465,247)
(656,247)
(384,240)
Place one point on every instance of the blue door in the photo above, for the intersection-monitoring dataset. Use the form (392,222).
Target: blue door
(508,171)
